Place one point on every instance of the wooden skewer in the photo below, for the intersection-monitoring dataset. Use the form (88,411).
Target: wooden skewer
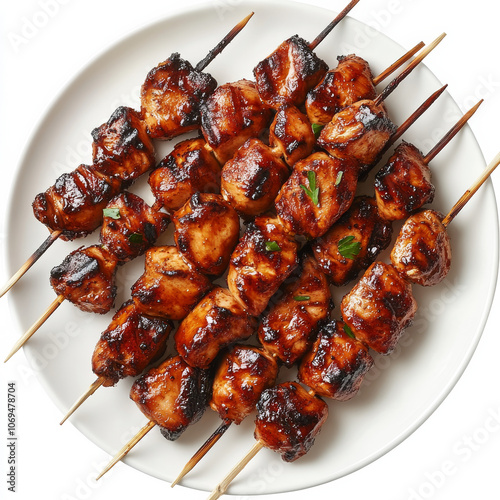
(95,385)
(127,447)
(57,302)
(332,25)
(204,448)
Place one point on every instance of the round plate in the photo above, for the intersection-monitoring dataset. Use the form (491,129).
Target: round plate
(400,391)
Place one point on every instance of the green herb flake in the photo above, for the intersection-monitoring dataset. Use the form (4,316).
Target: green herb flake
(272,246)
(135,238)
(348,332)
(317,128)
(113,213)
(348,247)
(312,191)
(301,298)
(339,178)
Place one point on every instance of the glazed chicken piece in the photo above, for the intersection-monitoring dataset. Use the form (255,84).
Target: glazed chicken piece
(121,147)
(231,115)
(207,229)
(171,97)
(172,395)
(216,322)
(130,226)
(422,251)
(379,307)
(336,364)
(189,168)
(320,189)
(289,419)
(74,204)
(86,278)
(242,374)
(252,178)
(291,134)
(131,342)
(262,260)
(349,82)
(353,242)
(289,328)
(403,185)
(286,75)
(359,132)
(169,287)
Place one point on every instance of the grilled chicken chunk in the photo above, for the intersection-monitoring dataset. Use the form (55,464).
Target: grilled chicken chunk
(169,287)
(291,134)
(130,226)
(189,168)
(403,185)
(350,82)
(422,251)
(216,322)
(207,229)
(289,419)
(231,115)
(131,342)
(286,75)
(242,374)
(353,242)
(289,328)
(320,189)
(121,147)
(252,178)
(358,132)
(262,260)
(336,364)
(74,204)
(173,395)
(86,278)
(171,97)
(379,307)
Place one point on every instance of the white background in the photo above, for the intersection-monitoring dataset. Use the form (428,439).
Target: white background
(454,454)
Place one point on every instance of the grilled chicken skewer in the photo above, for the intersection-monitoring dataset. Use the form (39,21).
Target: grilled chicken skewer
(170,100)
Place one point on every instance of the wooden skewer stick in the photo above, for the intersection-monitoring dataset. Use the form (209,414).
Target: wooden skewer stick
(332,25)
(127,448)
(30,261)
(57,302)
(95,385)
(204,448)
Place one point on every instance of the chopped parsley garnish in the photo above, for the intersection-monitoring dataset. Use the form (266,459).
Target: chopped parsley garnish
(113,213)
(348,331)
(349,247)
(317,128)
(312,191)
(301,298)
(135,238)
(272,246)
(339,178)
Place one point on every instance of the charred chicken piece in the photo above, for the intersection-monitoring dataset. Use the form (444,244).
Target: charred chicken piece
(231,115)
(351,81)
(242,374)
(291,134)
(359,132)
(379,307)
(131,342)
(422,251)
(86,278)
(403,185)
(173,395)
(289,419)
(171,97)
(216,322)
(336,364)
(289,328)
(130,226)
(207,229)
(262,260)
(286,75)
(353,242)
(122,147)
(320,189)
(189,168)
(169,287)
(252,178)
(74,204)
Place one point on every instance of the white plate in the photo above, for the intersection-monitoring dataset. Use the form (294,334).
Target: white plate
(400,392)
